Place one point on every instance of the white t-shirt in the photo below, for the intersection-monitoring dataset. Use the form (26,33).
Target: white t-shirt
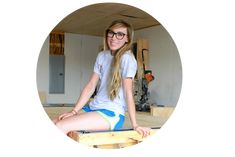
(128,68)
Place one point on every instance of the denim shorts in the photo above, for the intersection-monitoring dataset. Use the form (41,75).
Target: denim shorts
(115,121)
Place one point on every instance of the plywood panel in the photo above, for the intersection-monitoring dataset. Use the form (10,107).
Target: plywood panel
(142,47)
(93,19)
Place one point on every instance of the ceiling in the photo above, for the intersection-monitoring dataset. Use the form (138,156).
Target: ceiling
(93,19)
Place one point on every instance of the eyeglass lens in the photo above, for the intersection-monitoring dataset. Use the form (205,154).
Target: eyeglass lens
(118,35)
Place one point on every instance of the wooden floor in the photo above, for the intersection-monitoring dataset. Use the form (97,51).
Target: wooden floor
(143,118)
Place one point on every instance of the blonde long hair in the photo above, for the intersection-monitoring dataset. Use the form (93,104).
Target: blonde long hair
(115,80)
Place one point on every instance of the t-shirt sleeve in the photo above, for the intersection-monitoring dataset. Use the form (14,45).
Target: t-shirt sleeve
(97,66)
(128,66)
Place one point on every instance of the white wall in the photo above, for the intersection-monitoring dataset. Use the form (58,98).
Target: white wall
(80,54)
(164,61)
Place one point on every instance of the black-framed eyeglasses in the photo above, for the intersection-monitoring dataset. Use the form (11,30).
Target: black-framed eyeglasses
(118,35)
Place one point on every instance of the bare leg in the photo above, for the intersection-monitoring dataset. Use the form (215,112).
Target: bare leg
(90,121)
(57,118)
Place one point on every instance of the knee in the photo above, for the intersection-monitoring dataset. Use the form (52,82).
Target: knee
(55,120)
(61,126)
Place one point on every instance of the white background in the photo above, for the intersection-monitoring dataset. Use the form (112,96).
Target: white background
(203,122)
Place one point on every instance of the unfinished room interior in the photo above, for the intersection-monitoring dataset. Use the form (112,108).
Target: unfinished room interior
(67,58)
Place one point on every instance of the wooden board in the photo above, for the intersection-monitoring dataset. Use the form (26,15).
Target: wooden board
(141,45)
(163,112)
(109,139)
(42,97)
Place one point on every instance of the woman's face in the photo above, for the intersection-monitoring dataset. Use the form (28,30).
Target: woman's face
(116,38)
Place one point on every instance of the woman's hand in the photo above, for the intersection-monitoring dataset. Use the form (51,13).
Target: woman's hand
(144,131)
(67,114)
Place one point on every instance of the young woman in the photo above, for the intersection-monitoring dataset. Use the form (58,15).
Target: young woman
(115,68)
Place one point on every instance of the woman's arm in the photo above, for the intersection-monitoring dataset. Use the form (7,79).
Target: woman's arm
(127,84)
(87,92)
(83,99)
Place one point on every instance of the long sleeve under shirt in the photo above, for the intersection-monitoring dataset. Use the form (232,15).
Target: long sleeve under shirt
(128,68)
